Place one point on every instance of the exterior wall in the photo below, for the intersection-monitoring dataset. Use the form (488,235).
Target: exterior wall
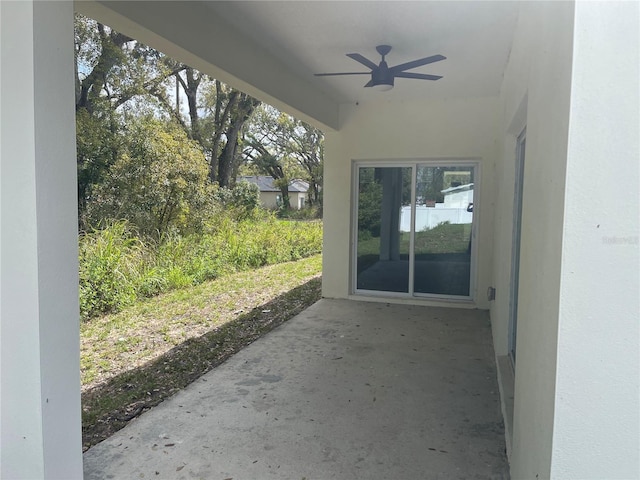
(40,429)
(268,199)
(298,200)
(576,382)
(597,415)
(535,93)
(436,129)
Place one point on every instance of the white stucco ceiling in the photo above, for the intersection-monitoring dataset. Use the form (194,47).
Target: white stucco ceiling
(271,49)
(311,37)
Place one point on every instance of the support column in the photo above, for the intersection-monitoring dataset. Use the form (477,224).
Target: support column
(40,426)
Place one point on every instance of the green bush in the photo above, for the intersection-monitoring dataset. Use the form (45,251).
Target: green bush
(117,267)
(110,261)
(159,182)
(242,201)
(313,212)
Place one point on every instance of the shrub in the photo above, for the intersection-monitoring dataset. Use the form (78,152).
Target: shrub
(242,201)
(313,212)
(109,265)
(117,267)
(158,183)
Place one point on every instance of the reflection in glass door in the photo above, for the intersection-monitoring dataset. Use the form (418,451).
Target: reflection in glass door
(382,251)
(444,216)
(414,229)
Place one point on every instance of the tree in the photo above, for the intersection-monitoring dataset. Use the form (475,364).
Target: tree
(217,116)
(159,181)
(119,80)
(305,144)
(286,148)
(97,51)
(268,159)
(114,74)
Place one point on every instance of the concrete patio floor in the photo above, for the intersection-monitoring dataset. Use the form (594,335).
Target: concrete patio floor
(345,390)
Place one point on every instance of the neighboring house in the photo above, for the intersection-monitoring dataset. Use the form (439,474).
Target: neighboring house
(559,79)
(271,196)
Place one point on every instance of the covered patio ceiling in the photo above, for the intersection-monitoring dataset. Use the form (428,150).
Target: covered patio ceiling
(272,49)
(312,37)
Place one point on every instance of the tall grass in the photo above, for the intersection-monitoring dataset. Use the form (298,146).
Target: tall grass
(117,267)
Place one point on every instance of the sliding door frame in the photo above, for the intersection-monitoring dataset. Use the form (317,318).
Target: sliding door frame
(356,165)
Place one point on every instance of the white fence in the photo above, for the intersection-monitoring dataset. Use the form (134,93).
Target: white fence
(429,217)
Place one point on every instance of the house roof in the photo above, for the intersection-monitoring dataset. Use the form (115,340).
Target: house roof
(265,184)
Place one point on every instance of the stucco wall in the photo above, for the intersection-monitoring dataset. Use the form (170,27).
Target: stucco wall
(435,129)
(597,412)
(576,382)
(269,199)
(535,93)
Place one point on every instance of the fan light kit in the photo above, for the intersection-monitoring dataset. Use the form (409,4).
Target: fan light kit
(383,76)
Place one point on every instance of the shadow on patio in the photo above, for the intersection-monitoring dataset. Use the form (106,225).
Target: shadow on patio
(344,390)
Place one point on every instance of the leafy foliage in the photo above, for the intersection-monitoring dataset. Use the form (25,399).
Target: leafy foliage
(159,182)
(120,81)
(117,267)
(110,261)
(285,148)
(159,145)
(242,201)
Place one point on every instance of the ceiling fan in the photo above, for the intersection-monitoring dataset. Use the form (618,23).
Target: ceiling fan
(382,76)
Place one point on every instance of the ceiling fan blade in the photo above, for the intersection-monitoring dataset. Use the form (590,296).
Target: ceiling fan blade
(341,73)
(419,76)
(369,83)
(416,63)
(364,61)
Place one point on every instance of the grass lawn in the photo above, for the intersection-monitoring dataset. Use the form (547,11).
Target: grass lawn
(132,360)
(444,239)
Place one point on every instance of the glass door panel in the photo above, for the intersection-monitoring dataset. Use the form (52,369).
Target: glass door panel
(383,229)
(443,221)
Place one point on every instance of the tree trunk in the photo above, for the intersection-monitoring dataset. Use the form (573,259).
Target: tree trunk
(191,91)
(286,203)
(227,157)
(238,117)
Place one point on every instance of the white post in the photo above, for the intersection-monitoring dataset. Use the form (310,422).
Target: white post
(40,427)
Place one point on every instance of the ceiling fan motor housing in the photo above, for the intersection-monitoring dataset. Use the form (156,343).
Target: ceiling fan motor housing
(382,75)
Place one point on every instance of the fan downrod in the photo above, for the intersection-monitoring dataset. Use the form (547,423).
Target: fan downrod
(383,50)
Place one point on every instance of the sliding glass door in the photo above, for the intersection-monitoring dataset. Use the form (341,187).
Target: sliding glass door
(382,251)
(414,229)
